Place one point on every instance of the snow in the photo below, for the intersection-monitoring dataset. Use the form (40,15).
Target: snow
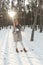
(8,55)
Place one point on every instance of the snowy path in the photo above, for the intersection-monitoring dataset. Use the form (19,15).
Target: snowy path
(8,55)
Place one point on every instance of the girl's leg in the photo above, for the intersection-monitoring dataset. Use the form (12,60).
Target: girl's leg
(15,44)
(22,44)
(23,47)
(16,47)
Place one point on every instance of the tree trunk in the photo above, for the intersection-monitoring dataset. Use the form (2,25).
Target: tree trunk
(40,22)
(35,21)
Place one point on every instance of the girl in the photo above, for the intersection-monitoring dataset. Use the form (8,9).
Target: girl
(17,34)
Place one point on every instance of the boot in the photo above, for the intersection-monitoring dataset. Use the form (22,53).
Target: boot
(25,50)
(17,50)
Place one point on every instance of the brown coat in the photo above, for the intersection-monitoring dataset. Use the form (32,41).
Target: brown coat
(17,36)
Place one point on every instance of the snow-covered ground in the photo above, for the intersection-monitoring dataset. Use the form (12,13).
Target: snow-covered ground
(8,55)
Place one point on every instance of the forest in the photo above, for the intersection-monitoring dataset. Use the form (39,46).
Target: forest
(28,11)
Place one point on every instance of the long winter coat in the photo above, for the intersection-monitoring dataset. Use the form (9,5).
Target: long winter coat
(17,35)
